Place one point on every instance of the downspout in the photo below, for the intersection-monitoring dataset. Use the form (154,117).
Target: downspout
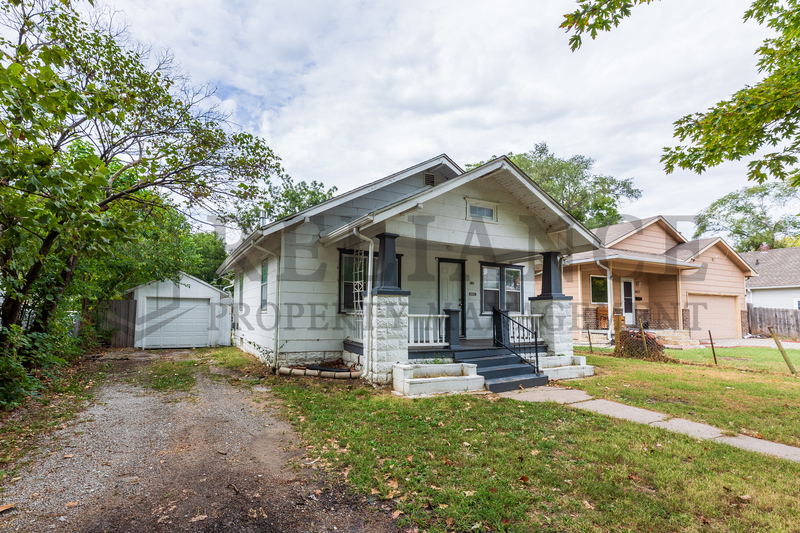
(610,289)
(277,298)
(368,310)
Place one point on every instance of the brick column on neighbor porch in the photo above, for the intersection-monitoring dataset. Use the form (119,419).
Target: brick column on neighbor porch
(555,328)
(389,315)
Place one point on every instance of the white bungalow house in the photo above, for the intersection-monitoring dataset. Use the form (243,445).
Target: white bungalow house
(451,277)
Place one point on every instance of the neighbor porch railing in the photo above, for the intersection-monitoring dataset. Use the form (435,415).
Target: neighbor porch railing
(354,325)
(426,330)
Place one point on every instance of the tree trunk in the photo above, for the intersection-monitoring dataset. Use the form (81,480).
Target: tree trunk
(49,309)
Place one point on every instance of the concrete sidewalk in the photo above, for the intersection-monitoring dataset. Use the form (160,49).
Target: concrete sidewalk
(581,400)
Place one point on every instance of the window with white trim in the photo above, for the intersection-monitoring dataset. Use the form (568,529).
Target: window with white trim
(347,278)
(501,287)
(241,289)
(264,279)
(482,211)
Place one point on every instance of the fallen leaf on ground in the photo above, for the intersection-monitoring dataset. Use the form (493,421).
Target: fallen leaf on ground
(69,456)
(392,483)
(198,518)
(8,506)
(396,514)
(524,479)
(15,479)
(221,452)
(410,458)
(71,504)
(443,506)
(588,505)
(469,492)
(375,491)
(534,452)
(493,490)
(467,444)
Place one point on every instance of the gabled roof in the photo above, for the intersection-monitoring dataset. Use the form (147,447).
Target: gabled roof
(183,275)
(681,256)
(441,163)
(611,235)
(776,268)
(687,251)
(555,217)
(606,254)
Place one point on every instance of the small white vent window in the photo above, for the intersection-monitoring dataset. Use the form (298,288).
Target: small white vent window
(480,210)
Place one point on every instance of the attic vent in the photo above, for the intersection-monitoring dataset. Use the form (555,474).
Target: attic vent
(430,179)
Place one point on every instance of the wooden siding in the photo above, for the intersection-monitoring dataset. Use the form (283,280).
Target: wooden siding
(719,275)
(445,221)
(664,297)
(653,239)
(774,298)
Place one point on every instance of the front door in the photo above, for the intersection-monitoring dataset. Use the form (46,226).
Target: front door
(628,301)
(451,287)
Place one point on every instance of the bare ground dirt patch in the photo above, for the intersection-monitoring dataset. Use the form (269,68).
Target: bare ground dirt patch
(212,459)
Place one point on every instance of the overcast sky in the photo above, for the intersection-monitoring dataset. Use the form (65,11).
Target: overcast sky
(347,92)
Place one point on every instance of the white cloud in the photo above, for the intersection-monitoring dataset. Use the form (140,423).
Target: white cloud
(350,91)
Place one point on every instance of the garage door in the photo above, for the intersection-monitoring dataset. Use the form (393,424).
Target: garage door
(714,313)
(176,322)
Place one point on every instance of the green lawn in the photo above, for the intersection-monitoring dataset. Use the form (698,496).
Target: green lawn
(758,359)
(483,463)
(755,403)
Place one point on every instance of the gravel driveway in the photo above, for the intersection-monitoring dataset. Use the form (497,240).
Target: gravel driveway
(208,460)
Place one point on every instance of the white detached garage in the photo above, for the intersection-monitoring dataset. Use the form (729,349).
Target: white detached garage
(192,314)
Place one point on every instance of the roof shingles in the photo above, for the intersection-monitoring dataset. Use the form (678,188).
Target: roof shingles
(776,268)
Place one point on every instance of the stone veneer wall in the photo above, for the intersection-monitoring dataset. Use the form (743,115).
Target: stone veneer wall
(687,323)
(389,328)
(556,325)
(745,323)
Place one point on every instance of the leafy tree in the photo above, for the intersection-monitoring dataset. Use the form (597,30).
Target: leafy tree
(592,199)
(751,216)
(210,253)
(283,200)
(762,116)
(93,132)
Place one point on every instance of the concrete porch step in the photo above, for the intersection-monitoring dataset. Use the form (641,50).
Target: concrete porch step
(507,370)
(569,372)
(516,382)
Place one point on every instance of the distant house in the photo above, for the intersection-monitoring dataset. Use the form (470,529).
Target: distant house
(428,263)
(647,270)
(778,282)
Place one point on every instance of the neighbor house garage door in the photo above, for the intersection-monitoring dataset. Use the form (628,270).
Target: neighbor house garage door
(714,313)
(176,322)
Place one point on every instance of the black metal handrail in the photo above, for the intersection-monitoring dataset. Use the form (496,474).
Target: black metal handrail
(516,337)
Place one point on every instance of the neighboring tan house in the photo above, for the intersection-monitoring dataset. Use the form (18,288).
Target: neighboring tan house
(451,276)
(778,283)
(647,270)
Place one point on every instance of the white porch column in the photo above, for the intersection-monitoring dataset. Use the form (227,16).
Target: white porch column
(389,330)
